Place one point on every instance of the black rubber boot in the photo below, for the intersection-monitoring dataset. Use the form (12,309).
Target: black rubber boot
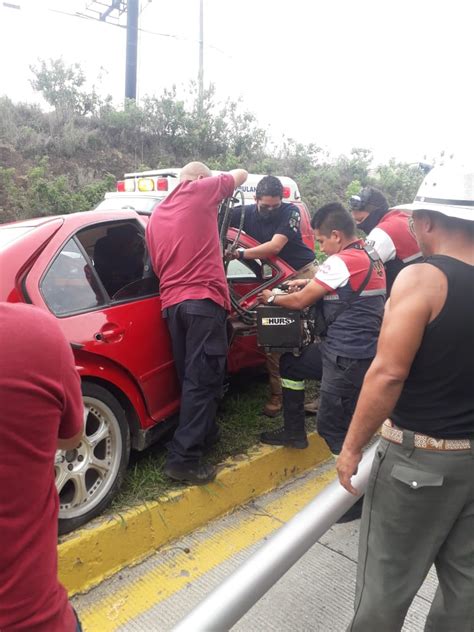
(282,437)
(293,434)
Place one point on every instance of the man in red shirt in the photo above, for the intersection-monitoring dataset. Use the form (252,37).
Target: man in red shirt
(183,242)
(387,231)
(41,411)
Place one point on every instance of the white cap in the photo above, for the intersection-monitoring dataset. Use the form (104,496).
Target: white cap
(448,190)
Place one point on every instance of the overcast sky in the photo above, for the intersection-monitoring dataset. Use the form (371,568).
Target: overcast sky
(394,76)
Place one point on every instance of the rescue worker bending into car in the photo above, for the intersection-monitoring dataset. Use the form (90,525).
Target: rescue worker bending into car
(183,242)
(351,286)
(276,225)
(388,231)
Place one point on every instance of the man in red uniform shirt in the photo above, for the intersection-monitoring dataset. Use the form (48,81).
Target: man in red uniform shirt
(351,286)
(183,242)
(387,231)
(41,411)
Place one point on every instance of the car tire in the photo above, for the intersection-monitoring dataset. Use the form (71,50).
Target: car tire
(88,477)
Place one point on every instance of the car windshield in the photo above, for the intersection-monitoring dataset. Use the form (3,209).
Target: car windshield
(132,203)
(10,233)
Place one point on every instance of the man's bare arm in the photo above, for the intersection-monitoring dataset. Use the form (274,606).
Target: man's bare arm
(311,293)
(414,296)
(267,249)
(239,175)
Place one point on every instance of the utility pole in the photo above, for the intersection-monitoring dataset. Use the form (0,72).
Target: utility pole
(111,11)
(201,57)
(132,48)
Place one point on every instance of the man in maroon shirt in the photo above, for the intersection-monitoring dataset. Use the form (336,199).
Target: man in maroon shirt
(41,411)
(183,242)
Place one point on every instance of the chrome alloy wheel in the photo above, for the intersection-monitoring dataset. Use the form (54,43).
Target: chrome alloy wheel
(85,475)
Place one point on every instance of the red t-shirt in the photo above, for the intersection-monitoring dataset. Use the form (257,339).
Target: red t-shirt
(392,238)
(183,242)
(41,400)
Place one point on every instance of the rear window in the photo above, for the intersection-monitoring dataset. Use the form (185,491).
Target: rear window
(10,233)
(127,203)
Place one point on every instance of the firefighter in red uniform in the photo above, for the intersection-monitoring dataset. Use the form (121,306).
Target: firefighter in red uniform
(387,231)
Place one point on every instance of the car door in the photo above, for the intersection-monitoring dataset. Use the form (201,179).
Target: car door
(98,283)
(246,280)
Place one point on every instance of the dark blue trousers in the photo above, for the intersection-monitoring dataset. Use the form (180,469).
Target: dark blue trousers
(341,381)
(199,340)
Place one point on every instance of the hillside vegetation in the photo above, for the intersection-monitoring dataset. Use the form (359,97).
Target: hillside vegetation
(63,160)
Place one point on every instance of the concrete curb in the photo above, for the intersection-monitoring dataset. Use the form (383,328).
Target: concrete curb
(96,552)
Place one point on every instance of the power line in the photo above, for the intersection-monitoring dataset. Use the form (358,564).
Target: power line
(142,30)
(82,16)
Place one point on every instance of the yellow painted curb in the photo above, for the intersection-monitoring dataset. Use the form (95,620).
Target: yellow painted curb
(92,554)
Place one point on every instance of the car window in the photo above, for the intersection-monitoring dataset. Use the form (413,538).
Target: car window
(249,270)
(239,270)
(120,259)
(69,285)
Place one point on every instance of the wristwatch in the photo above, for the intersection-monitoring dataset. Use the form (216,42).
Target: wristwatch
(270,299)
(240,253)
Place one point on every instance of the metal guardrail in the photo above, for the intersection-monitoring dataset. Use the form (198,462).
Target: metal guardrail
(223,607)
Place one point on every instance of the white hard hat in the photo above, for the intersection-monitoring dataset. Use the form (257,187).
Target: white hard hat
(448,190)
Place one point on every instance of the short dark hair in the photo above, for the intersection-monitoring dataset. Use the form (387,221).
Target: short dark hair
(331,217)
(377,199)
(369,199)
(269,185)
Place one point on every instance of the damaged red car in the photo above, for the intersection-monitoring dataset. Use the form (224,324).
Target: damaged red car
(91,271)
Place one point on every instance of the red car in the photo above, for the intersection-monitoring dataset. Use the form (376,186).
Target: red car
(91,271)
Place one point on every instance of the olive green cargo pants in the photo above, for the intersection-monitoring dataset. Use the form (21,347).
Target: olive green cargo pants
(418,511)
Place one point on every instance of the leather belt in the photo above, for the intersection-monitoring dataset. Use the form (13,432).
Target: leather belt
(395,435)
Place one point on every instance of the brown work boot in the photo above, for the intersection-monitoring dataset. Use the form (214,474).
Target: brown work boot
(311,408)
(273,406)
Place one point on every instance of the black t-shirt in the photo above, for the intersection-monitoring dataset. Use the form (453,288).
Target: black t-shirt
(437,397)
(286,221)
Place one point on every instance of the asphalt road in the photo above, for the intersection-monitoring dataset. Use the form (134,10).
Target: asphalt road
(315,595)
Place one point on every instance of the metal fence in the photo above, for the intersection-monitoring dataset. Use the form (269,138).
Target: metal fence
(222,608)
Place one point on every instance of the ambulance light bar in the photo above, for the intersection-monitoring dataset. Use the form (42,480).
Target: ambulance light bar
(146,184)
(125,186)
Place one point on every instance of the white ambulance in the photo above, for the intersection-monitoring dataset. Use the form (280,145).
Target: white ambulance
(144,190)
(158,183)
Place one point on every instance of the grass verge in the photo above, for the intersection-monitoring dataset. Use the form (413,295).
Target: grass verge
(240,421)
